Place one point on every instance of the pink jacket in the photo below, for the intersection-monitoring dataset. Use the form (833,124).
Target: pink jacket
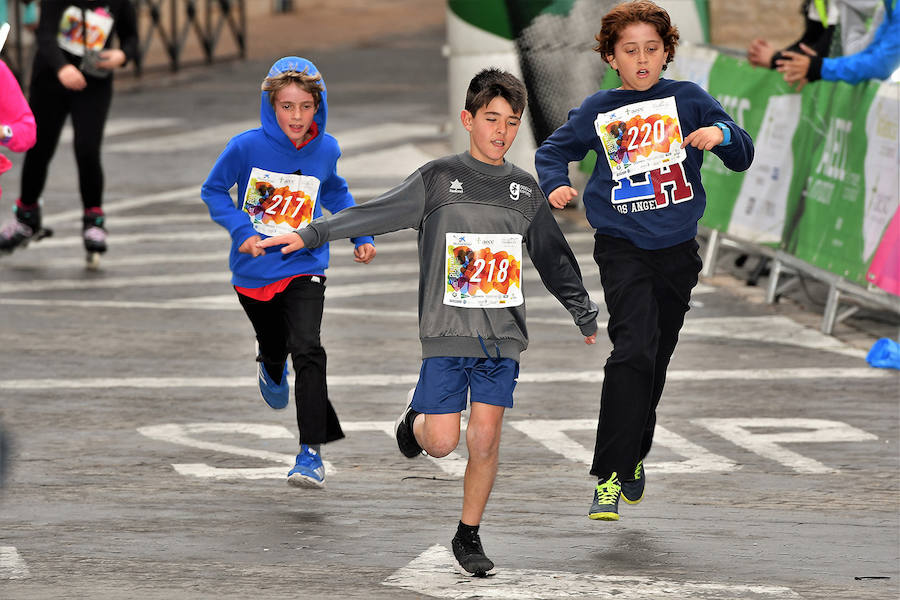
(14,111)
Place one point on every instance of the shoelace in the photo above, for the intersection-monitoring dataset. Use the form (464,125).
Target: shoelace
(608,491)
(638,469)
(95,234)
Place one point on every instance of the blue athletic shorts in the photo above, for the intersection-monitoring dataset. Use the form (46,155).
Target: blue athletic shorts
(445,381)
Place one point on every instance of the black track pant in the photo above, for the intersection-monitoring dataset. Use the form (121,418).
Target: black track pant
(647,295)
(289,324)
(51,103)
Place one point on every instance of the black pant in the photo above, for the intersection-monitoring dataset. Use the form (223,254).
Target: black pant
(647,295)
(290,323)
(51,103)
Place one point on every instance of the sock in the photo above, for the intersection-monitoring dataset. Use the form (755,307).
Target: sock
(22,206)
(411,417)
(467,531)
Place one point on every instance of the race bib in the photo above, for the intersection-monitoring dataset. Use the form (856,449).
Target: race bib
(641,137)
(280,203)
(74,36)
(483,271)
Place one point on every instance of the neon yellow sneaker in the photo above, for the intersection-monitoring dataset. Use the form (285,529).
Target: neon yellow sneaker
(606,500)
(633,489)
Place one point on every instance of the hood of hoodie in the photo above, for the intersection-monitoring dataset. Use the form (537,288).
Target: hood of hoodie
(267,112)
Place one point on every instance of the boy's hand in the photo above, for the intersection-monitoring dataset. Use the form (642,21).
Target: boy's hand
(291,241)
(705,138)
(561,196)
(249,247)
(364,254)
(590,339)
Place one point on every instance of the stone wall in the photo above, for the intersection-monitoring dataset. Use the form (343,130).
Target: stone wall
(734,23)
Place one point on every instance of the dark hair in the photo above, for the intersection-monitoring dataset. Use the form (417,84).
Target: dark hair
(491,83)
(639,11)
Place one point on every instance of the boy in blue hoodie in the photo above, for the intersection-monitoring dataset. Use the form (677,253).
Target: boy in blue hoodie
(286,171)
(644,199)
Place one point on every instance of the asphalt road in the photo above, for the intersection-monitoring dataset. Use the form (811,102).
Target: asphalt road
(144,464)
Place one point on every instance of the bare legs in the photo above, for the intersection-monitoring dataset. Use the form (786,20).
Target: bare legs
(439,435)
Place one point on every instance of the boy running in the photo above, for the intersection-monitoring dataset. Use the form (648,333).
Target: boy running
(644,199)
(285,172)
(472,211)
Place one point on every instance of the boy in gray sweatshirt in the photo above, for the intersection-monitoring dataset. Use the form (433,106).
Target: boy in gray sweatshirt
(473,211)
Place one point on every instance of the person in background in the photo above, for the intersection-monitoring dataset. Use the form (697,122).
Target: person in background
(72,75)
(878,60)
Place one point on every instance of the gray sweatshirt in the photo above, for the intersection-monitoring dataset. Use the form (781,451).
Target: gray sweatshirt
(454,201)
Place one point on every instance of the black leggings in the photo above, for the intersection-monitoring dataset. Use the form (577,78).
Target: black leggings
(51,103)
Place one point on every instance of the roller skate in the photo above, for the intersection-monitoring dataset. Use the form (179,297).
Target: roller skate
(25,228)
(94,234)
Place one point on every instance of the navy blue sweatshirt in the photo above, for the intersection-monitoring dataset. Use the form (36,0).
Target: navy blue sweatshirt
(656,198)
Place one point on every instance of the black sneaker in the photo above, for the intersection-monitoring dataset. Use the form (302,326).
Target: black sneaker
(403,431)
(470,555)
(633,489)
(605,506)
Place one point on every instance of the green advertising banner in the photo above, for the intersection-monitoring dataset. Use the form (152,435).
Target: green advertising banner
(744,93)
(826,207)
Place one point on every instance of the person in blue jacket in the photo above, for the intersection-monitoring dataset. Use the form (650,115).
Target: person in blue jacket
(877,61)
(645,211)
(285,172)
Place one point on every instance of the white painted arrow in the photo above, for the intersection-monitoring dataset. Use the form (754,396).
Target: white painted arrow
(12,566)
(432,573)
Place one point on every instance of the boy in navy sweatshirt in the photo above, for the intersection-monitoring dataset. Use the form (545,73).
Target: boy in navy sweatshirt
(473,212)
(644,198)
(285,171)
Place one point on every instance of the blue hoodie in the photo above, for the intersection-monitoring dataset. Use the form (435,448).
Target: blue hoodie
(280,189)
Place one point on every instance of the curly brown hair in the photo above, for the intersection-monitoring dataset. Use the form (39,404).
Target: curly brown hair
(638,11)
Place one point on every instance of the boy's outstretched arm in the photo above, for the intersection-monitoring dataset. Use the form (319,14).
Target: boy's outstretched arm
(400,208)
(556,264)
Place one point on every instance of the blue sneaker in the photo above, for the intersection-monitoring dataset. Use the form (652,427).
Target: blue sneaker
(308,471)
(276,395)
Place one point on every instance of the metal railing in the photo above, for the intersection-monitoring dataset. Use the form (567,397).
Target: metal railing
(172,34)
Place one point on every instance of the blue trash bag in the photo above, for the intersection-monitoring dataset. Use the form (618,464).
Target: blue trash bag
(885,353)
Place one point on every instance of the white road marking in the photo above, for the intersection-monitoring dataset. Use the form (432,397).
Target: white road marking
(217,136)
(551,434)
(381,380)
(12,566)
(433,574)
(124,126)
(740,432)
(184,435)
